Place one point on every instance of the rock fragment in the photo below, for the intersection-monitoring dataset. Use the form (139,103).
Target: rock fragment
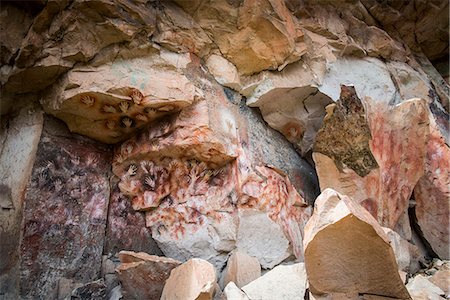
(346,251)
(143,276)
(195,279)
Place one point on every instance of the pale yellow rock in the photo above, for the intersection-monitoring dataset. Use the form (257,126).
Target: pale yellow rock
(241,269)
(192,280)
(346,250)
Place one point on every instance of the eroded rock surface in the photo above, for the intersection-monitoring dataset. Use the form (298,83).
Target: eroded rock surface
(66,199)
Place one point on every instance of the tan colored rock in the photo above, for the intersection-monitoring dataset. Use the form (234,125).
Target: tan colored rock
(241,269)
(143,276)
(420,288)
(195,279)
(346,250)
(178,32)
(110,102)
(232,292)
(432,194)
(283,282)
(398,134)
(441,277)
(223,71)
(254,36)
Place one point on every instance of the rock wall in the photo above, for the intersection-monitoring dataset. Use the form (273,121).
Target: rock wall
(198,129)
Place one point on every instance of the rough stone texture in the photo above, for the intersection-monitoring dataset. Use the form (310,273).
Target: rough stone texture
(283,282)
(194,172)
(398,145)
(192,280)
(347,251)
(66,200)
(126,228)
(111,101)
(345,134)
(432,194)
(241,269)
(143,276)
(247,32)
(19,142)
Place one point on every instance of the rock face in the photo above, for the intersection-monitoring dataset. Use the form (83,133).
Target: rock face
(283,282)
(66,199)
(432,194)
(143,276)
(19,140)
(192,280)
(381,175)
(199,129)
(342,233)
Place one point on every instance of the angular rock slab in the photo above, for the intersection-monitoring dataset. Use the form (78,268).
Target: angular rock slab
(398,143)
(66,200)
(110,102)
(195,279)
(143,276)
(347,251)
(241,269)
(432,194)
(284,282)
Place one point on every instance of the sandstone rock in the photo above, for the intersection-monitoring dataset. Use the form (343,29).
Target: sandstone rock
(402,18)
(192,280)
(143,276)
(110,102)
(346,250)
(250,35)
(432,194)
(178,32)
(421,288)
(441,277)
(262,238)
(196,171)
(126,228)
(393,140)
(223,71)
(14,25)
(241,269)
(232,292)
(66,199)
(63,34)
(19,139)
(407,255)
(283,282)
